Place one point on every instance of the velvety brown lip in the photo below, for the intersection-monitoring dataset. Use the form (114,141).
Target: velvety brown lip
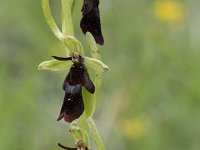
(73,105)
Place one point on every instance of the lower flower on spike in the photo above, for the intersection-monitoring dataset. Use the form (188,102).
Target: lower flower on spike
(73,105)
(79,146)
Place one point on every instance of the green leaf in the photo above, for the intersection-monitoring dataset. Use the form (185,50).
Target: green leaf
(55,65)
(95,64)
(93,46)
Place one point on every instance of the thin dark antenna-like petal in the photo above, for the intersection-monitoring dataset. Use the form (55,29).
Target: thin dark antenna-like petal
(67,148)
(62,58)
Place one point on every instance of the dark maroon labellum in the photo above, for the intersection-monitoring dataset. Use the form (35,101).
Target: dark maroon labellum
(77,77)
(90,21)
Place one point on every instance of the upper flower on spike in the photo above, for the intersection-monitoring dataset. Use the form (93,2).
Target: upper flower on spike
(90,21)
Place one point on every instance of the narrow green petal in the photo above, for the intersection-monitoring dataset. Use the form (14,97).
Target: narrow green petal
(55,65)
(95,64)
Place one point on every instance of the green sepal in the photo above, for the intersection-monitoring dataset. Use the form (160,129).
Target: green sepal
(73,45)
(55,65)
(95,64)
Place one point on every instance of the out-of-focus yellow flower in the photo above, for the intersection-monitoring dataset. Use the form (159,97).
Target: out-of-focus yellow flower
(133,128)
(169,10)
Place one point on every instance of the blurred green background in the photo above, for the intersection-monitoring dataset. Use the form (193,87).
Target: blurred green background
(150,99)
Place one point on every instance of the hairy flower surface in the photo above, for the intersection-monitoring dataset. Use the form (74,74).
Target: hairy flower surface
(73,105)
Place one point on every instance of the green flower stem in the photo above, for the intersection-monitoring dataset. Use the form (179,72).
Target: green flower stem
(50,20)
(97,82)
(72,3)
(67,24)
(95,96)
(96,135)
(82,127)
(90,100)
